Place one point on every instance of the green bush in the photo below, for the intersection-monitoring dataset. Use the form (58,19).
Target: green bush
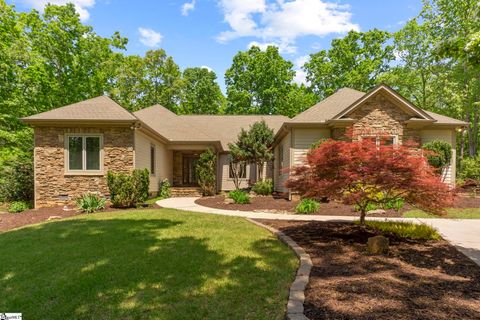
(205,171)
(470,168)
(264,187)
(440,155)
(407,230)
(126,190)
(239,196)
(90,202)
(16,181)
(164,189)
(307,206)
(18,206)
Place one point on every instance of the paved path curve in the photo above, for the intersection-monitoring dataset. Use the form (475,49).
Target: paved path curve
(462,233)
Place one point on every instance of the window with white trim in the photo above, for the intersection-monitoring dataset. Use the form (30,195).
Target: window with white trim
(84,153)
(152,159)
(280,157)
(382,140)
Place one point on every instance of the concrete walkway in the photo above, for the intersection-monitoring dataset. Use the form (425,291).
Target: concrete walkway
(464,234)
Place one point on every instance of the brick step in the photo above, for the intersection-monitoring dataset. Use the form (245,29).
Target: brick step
(177,192)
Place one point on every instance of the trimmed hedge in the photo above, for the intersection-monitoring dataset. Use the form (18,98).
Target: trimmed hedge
(127,190)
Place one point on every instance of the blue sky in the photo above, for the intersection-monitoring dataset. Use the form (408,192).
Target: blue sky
(210,32)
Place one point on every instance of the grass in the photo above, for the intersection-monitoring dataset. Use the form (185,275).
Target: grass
(152,201)
(452,213)
(406,230)
(145,264)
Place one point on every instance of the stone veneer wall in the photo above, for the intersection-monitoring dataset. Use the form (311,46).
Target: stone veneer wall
(50,179)
(379,116)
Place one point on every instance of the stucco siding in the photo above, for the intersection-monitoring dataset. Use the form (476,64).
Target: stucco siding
(302,141)
(163,159)
(447,135)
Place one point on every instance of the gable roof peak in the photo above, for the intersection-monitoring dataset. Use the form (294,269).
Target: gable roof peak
(100,108)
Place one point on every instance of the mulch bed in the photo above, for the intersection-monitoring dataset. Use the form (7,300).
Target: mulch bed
(282,205)
(464,200)
(10,221)
(416,280)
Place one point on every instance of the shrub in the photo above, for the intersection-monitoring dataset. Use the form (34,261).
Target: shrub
(205,170)
(239,196)
(90,202)
(307,206)
(18,206)
(263,187)
(126,190)
(470,168)
(440,153)
(16,181)
(407,230)
(164,189)
(356,172)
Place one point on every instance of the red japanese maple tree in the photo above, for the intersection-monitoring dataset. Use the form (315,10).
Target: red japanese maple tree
(362,173)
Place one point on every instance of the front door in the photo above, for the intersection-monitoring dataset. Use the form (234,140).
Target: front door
(189,170)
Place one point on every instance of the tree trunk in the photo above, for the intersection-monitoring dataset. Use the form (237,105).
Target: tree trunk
(363,213)
(260,171)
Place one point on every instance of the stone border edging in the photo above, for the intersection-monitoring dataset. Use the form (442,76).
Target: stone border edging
(296,296)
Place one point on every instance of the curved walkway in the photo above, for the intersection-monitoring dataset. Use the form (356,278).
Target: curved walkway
(462,233)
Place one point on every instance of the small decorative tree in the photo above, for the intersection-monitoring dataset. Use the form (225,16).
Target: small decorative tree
(205,170)
(254,146)
(237,165)
(355,173)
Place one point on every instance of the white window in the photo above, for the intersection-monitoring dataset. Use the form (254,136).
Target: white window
(382,140)
(152,159)
(83,153)
(280,157)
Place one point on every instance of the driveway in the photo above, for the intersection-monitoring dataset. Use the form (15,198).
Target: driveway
(462,233)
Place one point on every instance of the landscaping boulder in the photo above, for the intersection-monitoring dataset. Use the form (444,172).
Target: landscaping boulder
(377,245)
(228,201)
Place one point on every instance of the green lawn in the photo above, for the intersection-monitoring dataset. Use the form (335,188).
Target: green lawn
(145,264)
(452,213)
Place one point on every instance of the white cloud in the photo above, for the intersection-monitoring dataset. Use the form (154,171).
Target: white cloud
(207,67)
(239,15)
(187,7)
(283,47)
(149,37)
(300,74)
(81,6)
(284,21)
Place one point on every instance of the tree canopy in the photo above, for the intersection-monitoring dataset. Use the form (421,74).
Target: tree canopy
(354,61)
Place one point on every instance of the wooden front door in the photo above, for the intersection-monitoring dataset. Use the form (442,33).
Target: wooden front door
(189,170)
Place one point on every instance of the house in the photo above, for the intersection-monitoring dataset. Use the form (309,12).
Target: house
(77,144)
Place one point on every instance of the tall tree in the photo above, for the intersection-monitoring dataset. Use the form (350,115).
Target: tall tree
(455,26)
(153,79)
(354,61)
(201,93)
(414,75)
(258,82)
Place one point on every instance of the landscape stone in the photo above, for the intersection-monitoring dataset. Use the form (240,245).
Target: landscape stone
(377,245)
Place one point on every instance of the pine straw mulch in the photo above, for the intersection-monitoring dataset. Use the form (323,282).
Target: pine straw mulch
(416,280)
